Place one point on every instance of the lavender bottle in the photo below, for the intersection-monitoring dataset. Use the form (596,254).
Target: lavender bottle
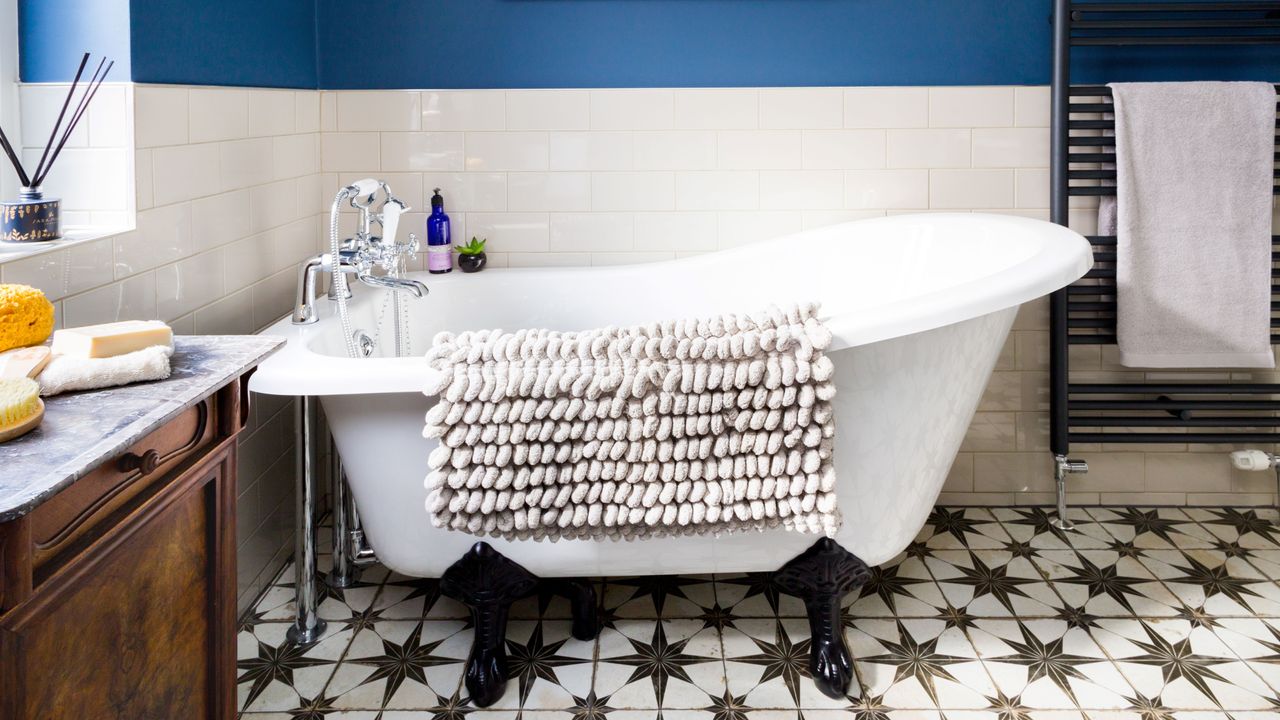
(439,240)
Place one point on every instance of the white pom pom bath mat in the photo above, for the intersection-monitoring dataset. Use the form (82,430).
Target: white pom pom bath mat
(672,428)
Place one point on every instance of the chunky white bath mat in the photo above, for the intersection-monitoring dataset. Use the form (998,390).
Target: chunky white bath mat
(671,428)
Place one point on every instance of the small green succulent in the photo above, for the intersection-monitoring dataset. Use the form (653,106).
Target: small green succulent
(475,247)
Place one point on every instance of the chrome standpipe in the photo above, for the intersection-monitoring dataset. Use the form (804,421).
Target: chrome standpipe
(308,627)
(1062,467)
(350,553)
(344,571)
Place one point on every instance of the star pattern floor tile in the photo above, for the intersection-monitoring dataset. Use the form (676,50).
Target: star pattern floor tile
(991,614)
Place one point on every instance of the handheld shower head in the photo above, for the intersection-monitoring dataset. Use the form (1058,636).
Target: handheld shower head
(363,191)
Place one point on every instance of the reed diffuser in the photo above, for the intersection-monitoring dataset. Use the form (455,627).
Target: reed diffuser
(33,217)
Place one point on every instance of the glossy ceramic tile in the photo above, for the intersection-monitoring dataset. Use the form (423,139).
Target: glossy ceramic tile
(886,107)
(379,110)
(970,106)
(273,112)
(218,114)
(866,189)
(790,108)
(160,116)
(418,151)
(717,109)
(674,150)
(464,110)
(632,109)
(548,110)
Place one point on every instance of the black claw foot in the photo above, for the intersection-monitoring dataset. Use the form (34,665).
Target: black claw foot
(487,583)
(820,576)
(582,599)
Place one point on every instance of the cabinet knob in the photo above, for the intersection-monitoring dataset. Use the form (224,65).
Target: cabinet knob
(146,463)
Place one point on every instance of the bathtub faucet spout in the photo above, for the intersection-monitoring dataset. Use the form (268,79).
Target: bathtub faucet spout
(409,285)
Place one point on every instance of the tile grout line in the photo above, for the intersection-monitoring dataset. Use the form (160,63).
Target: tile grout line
(1102,523)
(967,633)
(1246,558)
(1087,630)
(343,656)
(1247,662)
(1018,619)
(724,654)
(964,631)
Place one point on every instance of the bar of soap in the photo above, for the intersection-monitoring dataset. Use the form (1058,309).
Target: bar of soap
(111,339)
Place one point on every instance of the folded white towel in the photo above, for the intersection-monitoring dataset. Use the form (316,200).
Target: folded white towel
(66,374)
(1193,223)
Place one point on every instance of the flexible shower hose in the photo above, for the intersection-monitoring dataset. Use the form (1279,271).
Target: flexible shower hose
(339,277)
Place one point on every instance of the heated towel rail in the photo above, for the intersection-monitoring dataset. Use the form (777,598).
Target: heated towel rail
(1082,160)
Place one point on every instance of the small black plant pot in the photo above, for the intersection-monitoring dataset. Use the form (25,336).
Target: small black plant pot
(472,263)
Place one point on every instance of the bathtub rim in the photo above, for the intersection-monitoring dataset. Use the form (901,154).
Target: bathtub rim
(1063,256)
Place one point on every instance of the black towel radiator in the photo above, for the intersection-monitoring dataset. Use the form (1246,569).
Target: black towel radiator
(1084,313)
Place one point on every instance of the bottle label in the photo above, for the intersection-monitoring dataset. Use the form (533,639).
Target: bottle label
(440,257)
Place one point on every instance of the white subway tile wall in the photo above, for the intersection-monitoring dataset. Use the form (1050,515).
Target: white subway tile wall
(231,185)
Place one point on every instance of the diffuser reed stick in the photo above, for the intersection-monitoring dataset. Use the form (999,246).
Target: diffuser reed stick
(61,114)
(60,133)
(13,158)
(91,90)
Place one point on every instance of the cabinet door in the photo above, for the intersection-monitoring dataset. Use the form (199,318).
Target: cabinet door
(132,629)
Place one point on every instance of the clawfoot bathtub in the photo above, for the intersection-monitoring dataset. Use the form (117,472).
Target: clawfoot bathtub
(919,307)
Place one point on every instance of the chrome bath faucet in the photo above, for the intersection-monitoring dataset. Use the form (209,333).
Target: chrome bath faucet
(360,254)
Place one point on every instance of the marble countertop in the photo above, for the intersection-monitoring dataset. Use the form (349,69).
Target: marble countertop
(82,430)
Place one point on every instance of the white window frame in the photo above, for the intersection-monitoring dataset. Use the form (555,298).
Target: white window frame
(9,115)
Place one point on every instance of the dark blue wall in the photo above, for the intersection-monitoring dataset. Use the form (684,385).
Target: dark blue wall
(266,43)
(637,43)
(256,43)
(590,43)
(56,33)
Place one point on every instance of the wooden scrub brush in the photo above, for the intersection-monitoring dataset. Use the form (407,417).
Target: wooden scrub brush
(21,409)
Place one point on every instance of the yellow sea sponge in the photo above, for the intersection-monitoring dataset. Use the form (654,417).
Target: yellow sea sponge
(26,316)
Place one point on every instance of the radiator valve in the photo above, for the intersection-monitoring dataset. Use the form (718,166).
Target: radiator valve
(1254,460)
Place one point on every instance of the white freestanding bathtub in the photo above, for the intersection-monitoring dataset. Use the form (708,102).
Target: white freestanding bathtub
(920,307)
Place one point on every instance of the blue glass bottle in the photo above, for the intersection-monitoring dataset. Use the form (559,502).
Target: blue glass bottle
(439,239)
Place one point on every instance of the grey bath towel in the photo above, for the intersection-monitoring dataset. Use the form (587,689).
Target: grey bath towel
(1192,216)
(680,427)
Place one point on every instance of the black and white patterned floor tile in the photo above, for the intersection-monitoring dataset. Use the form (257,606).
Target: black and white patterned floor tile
(991,614)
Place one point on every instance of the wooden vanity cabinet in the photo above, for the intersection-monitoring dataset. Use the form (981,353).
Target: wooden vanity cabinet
(117,595)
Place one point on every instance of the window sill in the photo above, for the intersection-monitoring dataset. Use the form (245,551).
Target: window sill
(71,237)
